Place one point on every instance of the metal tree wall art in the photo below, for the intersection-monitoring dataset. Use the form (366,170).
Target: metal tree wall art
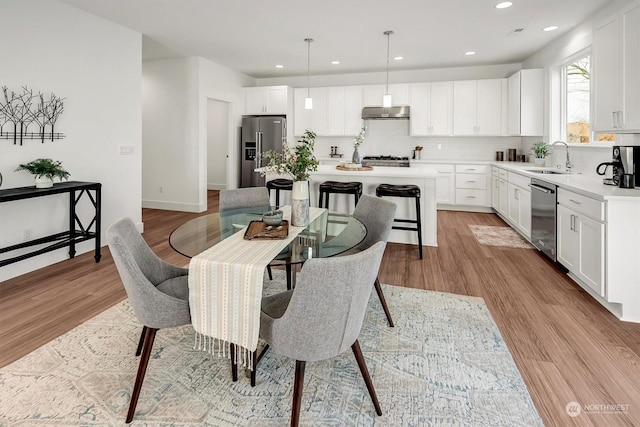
(18,113)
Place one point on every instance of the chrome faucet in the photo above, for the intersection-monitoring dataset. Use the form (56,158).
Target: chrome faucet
(568,164)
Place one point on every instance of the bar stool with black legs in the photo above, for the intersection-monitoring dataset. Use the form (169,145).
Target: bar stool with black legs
(279,184)
(336,187)
(391,190)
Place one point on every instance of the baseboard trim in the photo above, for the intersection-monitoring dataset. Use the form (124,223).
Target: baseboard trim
(172,206)
(212,186)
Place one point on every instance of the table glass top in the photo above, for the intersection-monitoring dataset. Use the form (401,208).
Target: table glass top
(330,234)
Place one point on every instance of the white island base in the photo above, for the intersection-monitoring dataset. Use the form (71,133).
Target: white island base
(424,178)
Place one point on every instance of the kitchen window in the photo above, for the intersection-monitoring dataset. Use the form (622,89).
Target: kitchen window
(576,96)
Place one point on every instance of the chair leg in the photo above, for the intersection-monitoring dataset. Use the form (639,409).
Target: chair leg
(289,273)
(149,337)
(254,366)
(383,301)
(234,363)
(277,197)
(269,272)
(365,374)
(419,226)
(297,393)
(144,331)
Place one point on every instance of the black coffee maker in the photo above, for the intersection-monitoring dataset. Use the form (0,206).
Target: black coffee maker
(628,160)
(617,170)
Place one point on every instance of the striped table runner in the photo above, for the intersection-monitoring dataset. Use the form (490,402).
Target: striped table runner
(225,290)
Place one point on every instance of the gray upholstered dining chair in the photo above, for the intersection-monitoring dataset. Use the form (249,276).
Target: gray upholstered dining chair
(250,197)
(322,317)
(158,292)
(377,216)
(239,198)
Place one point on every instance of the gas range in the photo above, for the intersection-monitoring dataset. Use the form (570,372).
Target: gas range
(397,161)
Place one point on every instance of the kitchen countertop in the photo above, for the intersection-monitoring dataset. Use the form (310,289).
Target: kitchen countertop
(589,186)
(381,171)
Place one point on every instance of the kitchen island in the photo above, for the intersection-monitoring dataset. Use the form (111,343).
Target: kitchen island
(425,178)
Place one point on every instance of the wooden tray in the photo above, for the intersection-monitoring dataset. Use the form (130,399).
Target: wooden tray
(363,168)
(257,231)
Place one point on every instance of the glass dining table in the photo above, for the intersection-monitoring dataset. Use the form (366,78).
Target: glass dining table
(328,234)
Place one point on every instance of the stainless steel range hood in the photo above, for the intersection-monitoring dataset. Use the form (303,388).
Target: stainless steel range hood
(382,113)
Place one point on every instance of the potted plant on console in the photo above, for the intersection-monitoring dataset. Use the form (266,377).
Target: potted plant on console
(298,162)
(44,170)
(541,151)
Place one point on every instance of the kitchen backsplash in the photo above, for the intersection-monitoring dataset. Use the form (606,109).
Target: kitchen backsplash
(391,137)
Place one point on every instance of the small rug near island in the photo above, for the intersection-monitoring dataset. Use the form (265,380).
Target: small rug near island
(443,364)
(490,235)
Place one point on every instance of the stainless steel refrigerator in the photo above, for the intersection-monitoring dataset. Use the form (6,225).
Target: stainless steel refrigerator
(259,135)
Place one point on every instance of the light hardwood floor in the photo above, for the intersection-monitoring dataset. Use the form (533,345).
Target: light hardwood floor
(566,346)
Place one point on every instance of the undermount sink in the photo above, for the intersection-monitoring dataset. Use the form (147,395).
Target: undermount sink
(547,171)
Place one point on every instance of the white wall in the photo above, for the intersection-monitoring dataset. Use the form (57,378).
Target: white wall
(391,137)
(175,97)
(96,65)
(217,144)
(170,134)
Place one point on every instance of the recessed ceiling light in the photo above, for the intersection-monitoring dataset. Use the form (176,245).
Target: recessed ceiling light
(398,58)
(504,5)
(279,66)
(335,62)
(470,53)
(550,28)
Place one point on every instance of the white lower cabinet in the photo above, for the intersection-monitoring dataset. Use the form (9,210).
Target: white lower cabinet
(581,238)
(499,191)
(445,184)
(520,208)
(471,185)
(511,198)
(519,202)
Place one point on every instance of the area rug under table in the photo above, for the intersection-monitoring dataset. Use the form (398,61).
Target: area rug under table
(490,235)
(444,364)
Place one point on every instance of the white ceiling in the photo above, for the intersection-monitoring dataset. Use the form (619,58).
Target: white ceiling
(252,36)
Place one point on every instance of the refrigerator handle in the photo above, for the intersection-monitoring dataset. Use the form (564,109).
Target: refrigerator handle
(258,149)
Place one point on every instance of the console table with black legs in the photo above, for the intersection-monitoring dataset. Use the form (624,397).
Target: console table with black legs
(77,231)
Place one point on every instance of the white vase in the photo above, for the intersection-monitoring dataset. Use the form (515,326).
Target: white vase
(539,161)
(300,204)
(43,182)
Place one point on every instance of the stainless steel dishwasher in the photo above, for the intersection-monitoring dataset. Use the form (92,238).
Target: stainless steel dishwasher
(543,216)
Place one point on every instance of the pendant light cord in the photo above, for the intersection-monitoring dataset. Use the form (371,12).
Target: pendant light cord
(388,34)
(308,40)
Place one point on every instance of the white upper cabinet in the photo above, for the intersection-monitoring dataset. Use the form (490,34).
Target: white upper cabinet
(265,100)
(336,111)
(478,107)
(372,94)
(344,110)
(314,119)
(431,108)
(616,80)
(525,105)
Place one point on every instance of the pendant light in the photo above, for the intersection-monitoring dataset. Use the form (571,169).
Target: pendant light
(308,102)
(386,99)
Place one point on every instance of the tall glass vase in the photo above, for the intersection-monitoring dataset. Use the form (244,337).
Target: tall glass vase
(300,204)
(356,156)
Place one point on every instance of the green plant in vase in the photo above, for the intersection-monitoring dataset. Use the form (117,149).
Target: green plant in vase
(540,150)
(298,162)
(44,170)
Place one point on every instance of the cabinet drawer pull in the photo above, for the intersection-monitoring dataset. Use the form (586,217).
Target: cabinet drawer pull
(575,201)
(471,197)
(471,182)
(469,169)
